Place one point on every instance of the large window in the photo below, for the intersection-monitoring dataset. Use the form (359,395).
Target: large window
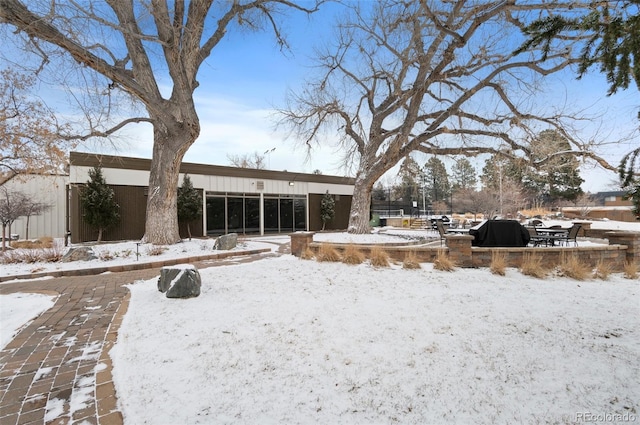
(271,215)
(240,213)
(216,215)
(235,214)
(286,215)
(300,213)
(252,215)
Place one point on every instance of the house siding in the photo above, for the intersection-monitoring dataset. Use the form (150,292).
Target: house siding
(129,178)
(49,190)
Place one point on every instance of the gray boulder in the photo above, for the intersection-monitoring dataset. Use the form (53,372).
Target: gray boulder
(179,281)
(82,253)
(226,242)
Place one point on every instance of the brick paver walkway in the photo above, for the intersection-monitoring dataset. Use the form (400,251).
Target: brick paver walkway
(57,370)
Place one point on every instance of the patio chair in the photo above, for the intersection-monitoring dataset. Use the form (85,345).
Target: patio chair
(536,238)
(572,235)
(441,230)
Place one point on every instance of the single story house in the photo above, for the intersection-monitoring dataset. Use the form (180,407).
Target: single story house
(234,200)
(610,205)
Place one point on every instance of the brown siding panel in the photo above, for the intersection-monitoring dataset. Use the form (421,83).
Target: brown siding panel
(195,225)
(341,219)
(133,207)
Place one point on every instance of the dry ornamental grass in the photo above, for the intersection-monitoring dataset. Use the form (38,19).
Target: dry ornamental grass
(328,252)
(352,255)
(156,250)
(571,266)
(411,261)
(602,271)
(532,266)
(443,262)
(29,252)
(498,263)
(630,270)
(307,254)
(379,257)
(40,243)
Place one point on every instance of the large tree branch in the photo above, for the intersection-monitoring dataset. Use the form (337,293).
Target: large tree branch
(237,10)
(108,132)
(16,14)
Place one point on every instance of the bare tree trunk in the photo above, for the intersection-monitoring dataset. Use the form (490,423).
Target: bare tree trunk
(99,235)
(170,146)
(360,207)
(162,211)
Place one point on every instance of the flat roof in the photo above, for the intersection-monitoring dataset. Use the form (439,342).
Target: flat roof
(83,159)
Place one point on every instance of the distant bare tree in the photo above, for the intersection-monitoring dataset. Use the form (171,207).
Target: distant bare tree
(513,199)
(12,206)
(440,77)
(135,50)
(254,160)
(31,208)
(487,203)
(467,201)
(585,204)
(439,207)
(29,131)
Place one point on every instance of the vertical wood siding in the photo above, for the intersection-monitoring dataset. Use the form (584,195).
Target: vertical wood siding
(133,206)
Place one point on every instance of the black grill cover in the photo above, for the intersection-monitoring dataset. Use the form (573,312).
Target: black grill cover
(498,233)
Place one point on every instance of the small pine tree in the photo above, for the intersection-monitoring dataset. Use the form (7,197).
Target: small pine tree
(189,203)
(100,209)
(327,208)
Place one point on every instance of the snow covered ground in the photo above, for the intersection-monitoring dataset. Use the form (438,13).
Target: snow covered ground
(18,310)
(128,252)
(284,340)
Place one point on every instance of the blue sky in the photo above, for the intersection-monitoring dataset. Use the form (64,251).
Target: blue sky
(241,84)
(247,76)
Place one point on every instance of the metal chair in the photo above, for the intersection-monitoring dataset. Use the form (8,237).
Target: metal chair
(441,230)
(572,235)
(535,238)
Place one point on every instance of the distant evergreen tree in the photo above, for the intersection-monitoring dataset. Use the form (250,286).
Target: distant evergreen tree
(498,171)
(327,208)
(559,177)
(437,180)
(463,175)
(379,193)
(189,203)
(100,209)
(611,30)
(630,178)
(409,188)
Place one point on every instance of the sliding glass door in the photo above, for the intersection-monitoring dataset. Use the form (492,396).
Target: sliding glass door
(240,213)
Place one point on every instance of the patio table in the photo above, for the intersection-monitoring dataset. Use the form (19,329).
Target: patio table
(550,234)
(458,231)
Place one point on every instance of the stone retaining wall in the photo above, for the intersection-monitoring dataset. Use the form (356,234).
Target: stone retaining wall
(623,247)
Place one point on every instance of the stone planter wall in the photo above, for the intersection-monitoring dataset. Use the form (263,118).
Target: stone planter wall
(623,247)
